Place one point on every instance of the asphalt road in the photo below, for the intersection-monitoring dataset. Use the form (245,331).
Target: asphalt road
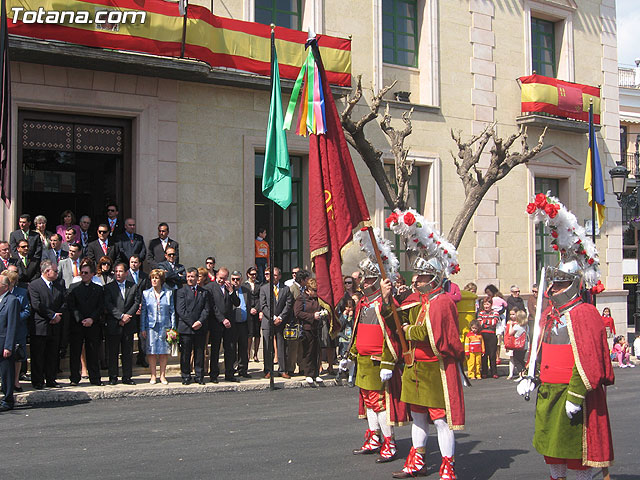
(297,434)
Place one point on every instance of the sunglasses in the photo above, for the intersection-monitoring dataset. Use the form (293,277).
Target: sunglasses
(111,210)
(171,254)
(252,274)
(103,231)
(348,282)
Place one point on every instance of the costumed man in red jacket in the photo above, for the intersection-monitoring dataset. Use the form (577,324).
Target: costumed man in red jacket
(432,376)
(378,373)
(572,428)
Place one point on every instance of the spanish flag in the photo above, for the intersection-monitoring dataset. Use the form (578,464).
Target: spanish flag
(593,184)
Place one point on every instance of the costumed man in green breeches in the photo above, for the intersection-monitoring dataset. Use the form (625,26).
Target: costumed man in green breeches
(572,428)
(378,373)
(431,380)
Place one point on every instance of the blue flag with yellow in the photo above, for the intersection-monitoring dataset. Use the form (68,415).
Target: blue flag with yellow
(594,185)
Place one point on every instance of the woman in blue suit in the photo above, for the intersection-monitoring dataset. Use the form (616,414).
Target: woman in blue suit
(157,315)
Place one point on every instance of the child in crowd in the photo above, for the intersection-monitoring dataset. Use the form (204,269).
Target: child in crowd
(516,335)
(636,346)
(474,349)
(344,337)
(489,319)
(621,351)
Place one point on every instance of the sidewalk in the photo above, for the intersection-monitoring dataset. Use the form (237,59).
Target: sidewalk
(86,392)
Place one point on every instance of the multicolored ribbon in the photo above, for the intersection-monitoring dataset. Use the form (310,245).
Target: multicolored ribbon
(308,87)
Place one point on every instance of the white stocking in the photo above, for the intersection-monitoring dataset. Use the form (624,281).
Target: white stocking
(372,418)
(387,430)
(446,438)
(352,368)
(584,474)
(419,429)
(558,471)
(511,367)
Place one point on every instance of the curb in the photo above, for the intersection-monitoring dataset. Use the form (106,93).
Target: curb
(85,394)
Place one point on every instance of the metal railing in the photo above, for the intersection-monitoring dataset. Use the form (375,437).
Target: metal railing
(630,163)
(627,77)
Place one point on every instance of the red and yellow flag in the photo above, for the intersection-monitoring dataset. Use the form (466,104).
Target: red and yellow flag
(218,41)
(559,98)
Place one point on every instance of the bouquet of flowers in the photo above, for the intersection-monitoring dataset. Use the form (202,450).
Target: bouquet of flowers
(172,339)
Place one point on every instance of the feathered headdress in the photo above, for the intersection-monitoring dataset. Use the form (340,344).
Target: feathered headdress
(569,237)
(389,259)
(423,238)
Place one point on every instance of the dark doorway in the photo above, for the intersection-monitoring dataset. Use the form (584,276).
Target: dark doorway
(286,241)
(73,162)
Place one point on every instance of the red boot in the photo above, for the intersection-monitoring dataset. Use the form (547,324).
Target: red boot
(413,466)
(447,469)
(388,450)
(371,443)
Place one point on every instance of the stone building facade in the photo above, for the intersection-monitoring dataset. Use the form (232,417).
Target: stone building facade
(195,135)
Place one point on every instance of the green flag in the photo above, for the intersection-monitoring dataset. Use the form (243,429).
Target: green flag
(276,177)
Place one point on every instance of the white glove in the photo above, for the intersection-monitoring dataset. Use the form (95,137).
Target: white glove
(525,386)
(385,374)
(344,364)
(571,409)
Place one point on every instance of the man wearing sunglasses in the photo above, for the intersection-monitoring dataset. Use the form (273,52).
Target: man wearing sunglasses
(103,246)
(116,227)
(176,275)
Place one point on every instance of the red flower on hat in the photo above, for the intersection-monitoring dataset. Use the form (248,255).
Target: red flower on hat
(590,261)
(531,208)
(431,235)
(555,247)
(409,219)
(554,234)
(446,251)
(551,210)
(392,218)
(541,200)
(597,288)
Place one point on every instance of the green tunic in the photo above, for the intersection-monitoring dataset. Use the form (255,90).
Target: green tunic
(422,382)
(555,434)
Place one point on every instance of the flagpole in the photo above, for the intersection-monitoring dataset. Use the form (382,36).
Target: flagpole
(403,341)
(592,140)
(592,148)
(272,228)
(184,28)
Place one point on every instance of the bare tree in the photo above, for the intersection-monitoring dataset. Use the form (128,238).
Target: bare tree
(476,180)
(354,133)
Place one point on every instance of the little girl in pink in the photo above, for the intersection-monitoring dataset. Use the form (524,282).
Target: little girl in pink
(621,351)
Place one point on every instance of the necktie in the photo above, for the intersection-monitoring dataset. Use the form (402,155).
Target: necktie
(135,277)
(57,256)
(75,269)
(112,224)
(131,238)
(104,248)
(6,263)
(195,291)
(26,235)
(84,238)
(275,291)
(122,289)
(24,260)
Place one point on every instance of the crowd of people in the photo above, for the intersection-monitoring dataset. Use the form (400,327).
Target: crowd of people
(82,294)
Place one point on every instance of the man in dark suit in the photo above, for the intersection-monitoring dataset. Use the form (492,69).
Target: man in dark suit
(102,246)
(86,303)
(130,243)
(5,255)
(241,317)
(20,354)
(141,279)
(222,327)
(27,266)
(282,310)
(158,246)
(86,235)
(55,253)
(176,275)
(192,311)
(9,318)
(47,303)
(25,233)
(113,222)
(121,302)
